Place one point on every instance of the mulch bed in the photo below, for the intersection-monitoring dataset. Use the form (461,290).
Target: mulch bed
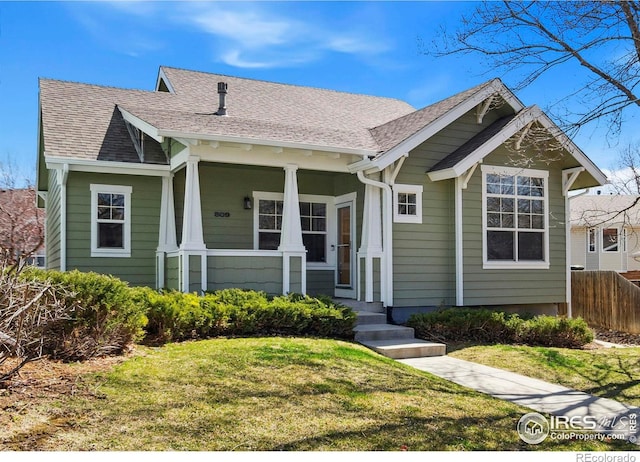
(614,336)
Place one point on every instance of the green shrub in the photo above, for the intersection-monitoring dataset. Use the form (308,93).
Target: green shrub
(105,319)
(557,332)
(479,325)
(175,316)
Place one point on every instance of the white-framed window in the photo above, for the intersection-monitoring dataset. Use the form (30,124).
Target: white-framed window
(110,220)
(614,239)
(315,217)
(591,240)
(514,218)
(407,203)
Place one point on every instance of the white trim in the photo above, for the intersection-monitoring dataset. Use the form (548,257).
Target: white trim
(347,200)
(496,86)
(140,124)
(62,175)
(162,76)
(525,264)
(459,242)
(524,117)
(192,231)
(103,166)
(243,253)
(263,155)
(407,189)
(386,265)
(125,251)
(569,176)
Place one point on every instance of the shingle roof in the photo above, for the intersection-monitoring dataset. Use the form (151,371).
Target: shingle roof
(395,131)
(81,121)
(588,210)
(84,121)
(474,143)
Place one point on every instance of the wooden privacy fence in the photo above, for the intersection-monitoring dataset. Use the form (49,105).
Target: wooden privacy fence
(606,299)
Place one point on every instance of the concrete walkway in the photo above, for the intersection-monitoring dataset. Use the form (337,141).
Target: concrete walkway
(535,394)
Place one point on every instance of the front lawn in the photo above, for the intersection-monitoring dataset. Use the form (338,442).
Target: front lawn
(609,373)
(266,394)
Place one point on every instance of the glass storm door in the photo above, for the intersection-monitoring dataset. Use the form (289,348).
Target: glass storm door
(344,247)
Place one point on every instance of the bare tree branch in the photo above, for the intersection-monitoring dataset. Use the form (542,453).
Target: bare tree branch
(532,38)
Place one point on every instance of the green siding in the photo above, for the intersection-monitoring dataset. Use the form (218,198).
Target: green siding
(295,275)
(195,273)
(140,268)
(514,286)
(424,254)
(257,273)
(171,274)
(178,201)
(320,282)
(52,223)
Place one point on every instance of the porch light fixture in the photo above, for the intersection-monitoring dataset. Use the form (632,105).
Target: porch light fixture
(247,203)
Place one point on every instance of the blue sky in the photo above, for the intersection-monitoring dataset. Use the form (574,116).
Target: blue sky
(361,47)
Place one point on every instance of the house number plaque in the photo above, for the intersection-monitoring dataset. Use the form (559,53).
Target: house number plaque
(221,214)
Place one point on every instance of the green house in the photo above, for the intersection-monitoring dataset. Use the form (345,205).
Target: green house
(214,181)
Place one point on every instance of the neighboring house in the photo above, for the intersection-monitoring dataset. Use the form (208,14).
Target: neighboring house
(22,226)
(214,181)
(604,232)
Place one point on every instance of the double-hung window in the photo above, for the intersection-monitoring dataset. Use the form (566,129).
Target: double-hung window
(515,203)
(110,220)
(313,220)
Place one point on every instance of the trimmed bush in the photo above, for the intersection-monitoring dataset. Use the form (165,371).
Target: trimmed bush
(479,325)
(105,320)
(175,316)
(557,332)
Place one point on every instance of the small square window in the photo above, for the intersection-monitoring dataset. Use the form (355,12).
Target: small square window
(407,207)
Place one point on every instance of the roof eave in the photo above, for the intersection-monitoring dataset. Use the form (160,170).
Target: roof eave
(496,86)
(531,114)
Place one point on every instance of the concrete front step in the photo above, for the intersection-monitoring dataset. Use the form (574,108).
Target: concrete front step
(404,349)
(374,332)
(367,317)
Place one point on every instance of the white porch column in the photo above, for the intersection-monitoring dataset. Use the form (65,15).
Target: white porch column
(291,230)
(459,242)
(371,242)
(192,235)
(167,233)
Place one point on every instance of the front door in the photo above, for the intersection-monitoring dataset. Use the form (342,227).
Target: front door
(345,286)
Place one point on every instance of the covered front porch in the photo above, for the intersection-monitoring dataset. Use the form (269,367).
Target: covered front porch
(281,229)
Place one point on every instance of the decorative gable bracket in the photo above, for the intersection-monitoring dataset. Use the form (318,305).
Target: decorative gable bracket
(569,176)
(483,108)
(137,136)
(522,135)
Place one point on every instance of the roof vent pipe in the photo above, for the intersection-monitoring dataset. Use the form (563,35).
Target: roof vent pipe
(222,93)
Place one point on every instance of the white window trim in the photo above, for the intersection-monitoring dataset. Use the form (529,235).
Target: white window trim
(329,201)
(110,189)
(622,240)
(407,189)
(524,265)
(593,231)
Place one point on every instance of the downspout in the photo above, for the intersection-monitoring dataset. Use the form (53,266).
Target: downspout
(64,174)
(387,246)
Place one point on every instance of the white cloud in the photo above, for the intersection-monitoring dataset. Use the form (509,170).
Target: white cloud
(245,28)
(242,31)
